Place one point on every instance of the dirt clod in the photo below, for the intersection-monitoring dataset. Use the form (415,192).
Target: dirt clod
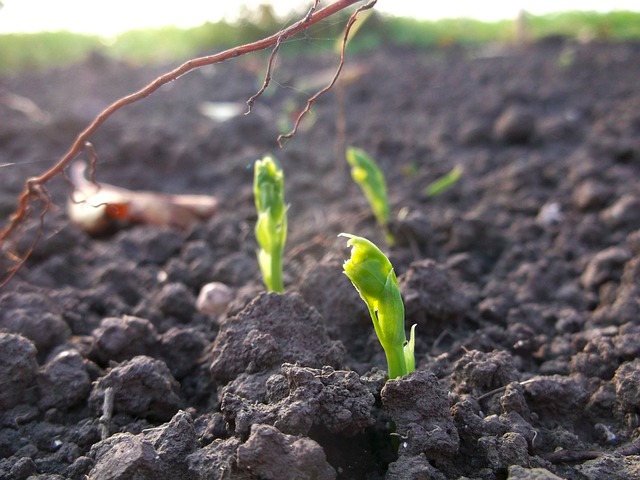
(478,372)
(143,387)
(63,381)
(300,398)
(35,318)
(18,368)
(627,382)
(517,472)
(432,298)
(125,455)
(118,339)
(420,409)
(271,330)
(515,125)
(273,455)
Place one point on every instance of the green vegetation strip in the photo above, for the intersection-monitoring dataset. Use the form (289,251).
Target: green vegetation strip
(20,52)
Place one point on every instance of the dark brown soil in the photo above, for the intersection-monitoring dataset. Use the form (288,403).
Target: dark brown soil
(523,278)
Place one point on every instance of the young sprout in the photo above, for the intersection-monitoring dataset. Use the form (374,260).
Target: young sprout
(373,277)
(271,227)
(444,183)
(366,173)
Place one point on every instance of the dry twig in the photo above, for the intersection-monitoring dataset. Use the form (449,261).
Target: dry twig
(312,100)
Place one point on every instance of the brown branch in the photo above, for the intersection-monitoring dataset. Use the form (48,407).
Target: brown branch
(37,191)
(272,57)
(34,187)
(267,77)
(312,100)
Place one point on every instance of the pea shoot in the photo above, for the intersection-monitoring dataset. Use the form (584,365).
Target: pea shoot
(271,227)
(373,276)
(366,173)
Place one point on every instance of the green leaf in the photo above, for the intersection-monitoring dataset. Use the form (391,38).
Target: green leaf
(409,348)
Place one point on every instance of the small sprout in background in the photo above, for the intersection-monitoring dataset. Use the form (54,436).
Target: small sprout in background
(214,298)
(566,58)
(373,277)
(366,173)
(271,227)
(444,183)
(410,170)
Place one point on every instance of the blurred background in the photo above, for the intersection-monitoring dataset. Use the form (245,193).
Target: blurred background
(117,16)
(36,33)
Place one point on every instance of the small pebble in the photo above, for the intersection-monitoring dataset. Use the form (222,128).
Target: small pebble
(550,214)
(214,298)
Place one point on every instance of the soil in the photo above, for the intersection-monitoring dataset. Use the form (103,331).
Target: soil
(523,278)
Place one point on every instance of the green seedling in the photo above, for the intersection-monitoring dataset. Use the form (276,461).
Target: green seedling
(375,280)
(444,183)
(366,173)
(271,227)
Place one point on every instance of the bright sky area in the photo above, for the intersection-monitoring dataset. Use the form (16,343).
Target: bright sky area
(108,18)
